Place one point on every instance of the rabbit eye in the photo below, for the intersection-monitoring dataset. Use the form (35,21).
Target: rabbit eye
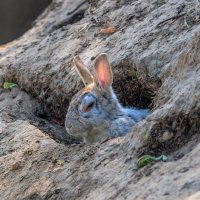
(87,103)
(88,107)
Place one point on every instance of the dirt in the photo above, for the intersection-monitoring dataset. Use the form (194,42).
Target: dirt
(156,64)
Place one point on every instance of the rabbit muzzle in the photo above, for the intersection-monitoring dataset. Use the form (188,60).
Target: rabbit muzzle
(75,126)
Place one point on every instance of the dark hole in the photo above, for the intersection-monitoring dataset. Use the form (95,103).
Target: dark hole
(131,90)
(16,17)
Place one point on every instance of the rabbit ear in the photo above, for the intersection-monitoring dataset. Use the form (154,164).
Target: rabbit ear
(103,71)
(83,72)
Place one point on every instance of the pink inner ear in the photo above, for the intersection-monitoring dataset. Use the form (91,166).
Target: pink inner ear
(102,83)
(103,72)
(101,75)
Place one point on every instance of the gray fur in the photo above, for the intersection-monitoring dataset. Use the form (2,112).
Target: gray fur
(95,111)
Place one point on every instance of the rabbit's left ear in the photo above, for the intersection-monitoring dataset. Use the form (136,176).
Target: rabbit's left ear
(103,72)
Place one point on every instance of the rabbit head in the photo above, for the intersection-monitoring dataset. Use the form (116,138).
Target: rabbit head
(91,107)
(95,112)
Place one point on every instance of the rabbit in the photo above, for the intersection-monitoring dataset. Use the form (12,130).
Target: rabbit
(95,112)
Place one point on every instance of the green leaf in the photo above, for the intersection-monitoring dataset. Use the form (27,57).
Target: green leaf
(8,85)
(146,159)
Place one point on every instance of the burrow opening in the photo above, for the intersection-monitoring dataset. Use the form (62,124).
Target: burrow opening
(129,87)
(134,89)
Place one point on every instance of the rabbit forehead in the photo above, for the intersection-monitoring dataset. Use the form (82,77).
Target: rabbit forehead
(88,89)
(106,100)
(78,96)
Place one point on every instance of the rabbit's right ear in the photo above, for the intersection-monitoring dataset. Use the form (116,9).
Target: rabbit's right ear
(103,73)
(83,72)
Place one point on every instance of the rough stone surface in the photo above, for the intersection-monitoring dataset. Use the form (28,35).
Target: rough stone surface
(158,44)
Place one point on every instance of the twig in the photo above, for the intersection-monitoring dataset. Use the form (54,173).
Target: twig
(77,7)
(171,18)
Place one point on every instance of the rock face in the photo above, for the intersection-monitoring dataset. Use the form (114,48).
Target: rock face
(154,54)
